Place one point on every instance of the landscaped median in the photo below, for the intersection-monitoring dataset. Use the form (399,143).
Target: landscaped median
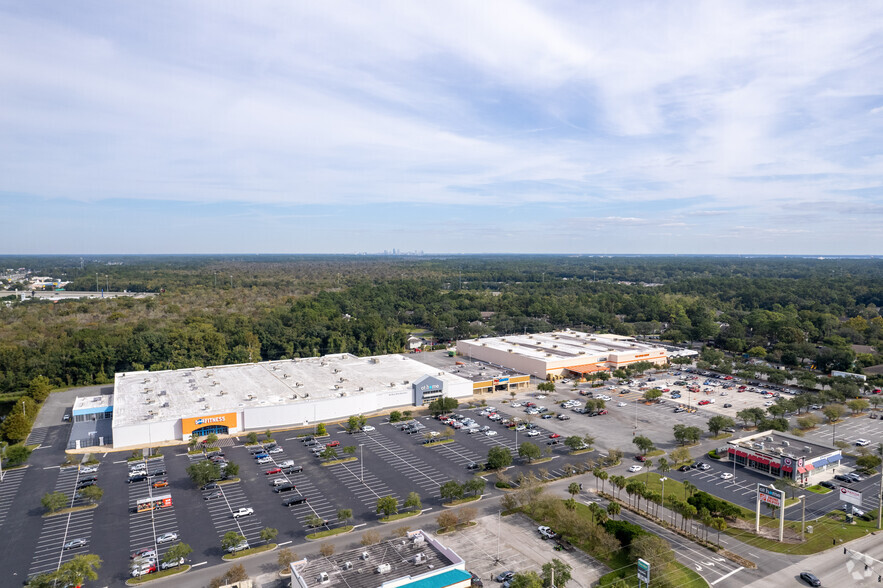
(816,489)
(63,511)
(338,461)
(461,501)
(157,576)
(248,552)
(330,532)
(439,442)
(399,516)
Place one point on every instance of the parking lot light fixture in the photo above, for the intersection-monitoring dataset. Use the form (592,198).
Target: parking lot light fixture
(802,499)
(663,479)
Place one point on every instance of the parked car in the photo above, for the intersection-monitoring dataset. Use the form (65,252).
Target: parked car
(291,500)
(75,543)
(276,470)
(213,495)
(144,553)
(239,547)
(636,468)
(862,442)
(276,450)
(503,576)
(367,428)
(167,565)
(160,483)
(726,476)
(265,460)
(167,537)
(546,532)
(810,578)
(828,484)
(243,512)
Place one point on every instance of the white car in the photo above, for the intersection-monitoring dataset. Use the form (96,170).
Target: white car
(546,533)
(621,404)
(490,409)
(726,476)
(265,460)
(636,468)
(532,433)
(768,403)
(862,442)
(490,433)
(540,396)
(279,481)
(88,470)
(434,433)
(520,428)
(367,428)
(515,404)
(243,512)
(166,537)
(276,450)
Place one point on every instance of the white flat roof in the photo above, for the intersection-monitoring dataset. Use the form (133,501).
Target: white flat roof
(84,402)
(564,345)
(173,394)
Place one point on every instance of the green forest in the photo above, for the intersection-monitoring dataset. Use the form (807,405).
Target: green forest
(210,310)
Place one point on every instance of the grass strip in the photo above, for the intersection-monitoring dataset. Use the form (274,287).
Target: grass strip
(439,442)
(249,551)
(815,488)
(399,516)
(338,461)
(460,501)
(157,576)
(330,532)
(70,509)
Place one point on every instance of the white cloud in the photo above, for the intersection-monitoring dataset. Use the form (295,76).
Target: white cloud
(699,106)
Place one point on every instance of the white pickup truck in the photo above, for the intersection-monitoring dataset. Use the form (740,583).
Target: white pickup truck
(243,512)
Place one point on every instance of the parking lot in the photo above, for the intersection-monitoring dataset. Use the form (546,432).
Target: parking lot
(499,544)
(8,489)
(60,530)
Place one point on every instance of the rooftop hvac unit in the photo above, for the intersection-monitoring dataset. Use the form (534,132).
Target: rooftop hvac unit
(554,347)
(384,568)
(347,565)
(206,407)
(419,559)
(293,396)
(786,444)
(285,376)
(165,404)
(216,383)
(392,384)
(806,448)
(306,394)
(201,399)
(336,387)
(365,555)
(361,388)
(298,384)
(163,392)
(323,578)
(769,439)
(336,371)
(418,538)
(406,382)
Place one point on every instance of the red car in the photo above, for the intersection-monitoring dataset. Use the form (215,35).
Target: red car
(554,436)
(641,458)
(704,402)
(273,471)
(332,444)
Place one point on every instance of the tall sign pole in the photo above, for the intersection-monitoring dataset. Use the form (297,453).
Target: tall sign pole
(643,572)
(775,498)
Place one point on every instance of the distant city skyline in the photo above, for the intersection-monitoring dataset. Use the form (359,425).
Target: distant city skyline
(738,128)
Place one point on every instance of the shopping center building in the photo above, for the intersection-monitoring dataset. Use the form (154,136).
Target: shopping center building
(562,353)
(154,407)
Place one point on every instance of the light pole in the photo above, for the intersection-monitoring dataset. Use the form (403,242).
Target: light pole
(361,464)
(663,479)
(24,409)
(734,468)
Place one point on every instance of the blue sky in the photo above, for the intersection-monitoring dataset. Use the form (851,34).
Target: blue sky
(452,127)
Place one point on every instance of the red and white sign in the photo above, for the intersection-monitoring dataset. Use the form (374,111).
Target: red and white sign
(850,496)
(771,496)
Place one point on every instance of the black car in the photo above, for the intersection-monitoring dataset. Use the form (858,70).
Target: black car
(210,486)
(161,471)
(292,469)
(284,488)
(473,466)
(294,500)
(828,484)
(844,478)
(86,483)
(137,478)
(810,579)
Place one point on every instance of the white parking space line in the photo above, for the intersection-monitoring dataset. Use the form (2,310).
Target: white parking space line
(8,490)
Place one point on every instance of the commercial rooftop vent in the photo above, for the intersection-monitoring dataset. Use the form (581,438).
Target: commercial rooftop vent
(361,388)
(347,565)
(384,568)
(806,448)
(419,559)
(165,404)
(323,578)
(365,555)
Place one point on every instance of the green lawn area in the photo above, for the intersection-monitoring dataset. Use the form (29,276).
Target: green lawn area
(460,501)
(818,489)
(825,528)
(439,442)
(654,453)
(680,575)
(337,461)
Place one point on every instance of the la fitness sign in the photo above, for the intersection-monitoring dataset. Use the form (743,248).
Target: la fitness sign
(188,425)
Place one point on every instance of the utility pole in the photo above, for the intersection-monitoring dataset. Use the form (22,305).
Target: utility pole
(880,509)
(802,499)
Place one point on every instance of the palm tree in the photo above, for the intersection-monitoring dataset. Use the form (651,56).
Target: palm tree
(601,475)
(663,466)
(613,509)
(631,488)
(688,489)
(619,482)
(707,520)
(719,524)
(597,473)
(649,464)
(689,511)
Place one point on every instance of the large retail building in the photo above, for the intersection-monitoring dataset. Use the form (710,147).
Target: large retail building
(152,407)
(562,353)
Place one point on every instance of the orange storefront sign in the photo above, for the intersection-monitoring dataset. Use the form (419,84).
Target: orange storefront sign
(225,420)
